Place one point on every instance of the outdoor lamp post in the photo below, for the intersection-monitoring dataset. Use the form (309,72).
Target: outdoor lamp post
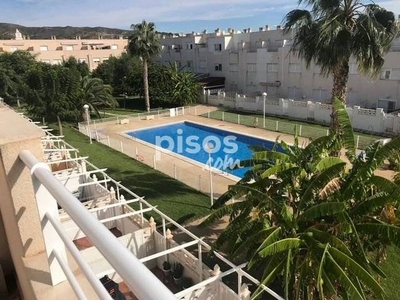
(209,148)
(264,98)
(86,108)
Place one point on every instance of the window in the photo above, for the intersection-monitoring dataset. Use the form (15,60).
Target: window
(189,46)
(353,69)
(202,64)
(82,60)
(218,47)
(218,67)
(96,60)
(69,48)
(114,47)
(272,68)
(13,48)
(105,58)
(44,48)
(233,68)
(251,67)
(385,74)
(294,68)
(47,61)
(57,61)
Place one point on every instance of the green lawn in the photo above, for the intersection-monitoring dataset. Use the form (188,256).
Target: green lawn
(119,111)
(172,197)
(286,126)
(391,268)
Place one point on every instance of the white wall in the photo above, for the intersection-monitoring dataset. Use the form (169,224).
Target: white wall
(371,120)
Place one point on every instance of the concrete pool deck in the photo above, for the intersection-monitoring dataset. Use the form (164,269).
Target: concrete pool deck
(186,170)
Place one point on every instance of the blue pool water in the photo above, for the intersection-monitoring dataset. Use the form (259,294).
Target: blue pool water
(196,141)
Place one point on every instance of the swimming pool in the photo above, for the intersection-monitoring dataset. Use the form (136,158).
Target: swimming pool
(203,144)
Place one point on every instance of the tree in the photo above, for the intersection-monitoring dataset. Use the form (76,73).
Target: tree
(333,31)
(145,43)
(13,67)
(94,93)
(51,92)
(185,87)
(122,73)
(81,67)
(312,221)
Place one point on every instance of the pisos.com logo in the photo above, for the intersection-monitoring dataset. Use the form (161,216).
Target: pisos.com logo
(220,150)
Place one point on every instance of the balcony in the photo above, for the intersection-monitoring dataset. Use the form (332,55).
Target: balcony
(90,230)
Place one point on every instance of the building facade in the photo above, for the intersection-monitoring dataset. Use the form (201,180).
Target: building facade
(261,61)
(250,62)
(54,51)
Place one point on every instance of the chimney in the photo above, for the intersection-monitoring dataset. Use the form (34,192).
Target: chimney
(248,30)
(266,27)
(278,27)
(205,31)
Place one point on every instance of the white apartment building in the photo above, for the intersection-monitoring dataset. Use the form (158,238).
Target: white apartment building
(261,61)
(246,62)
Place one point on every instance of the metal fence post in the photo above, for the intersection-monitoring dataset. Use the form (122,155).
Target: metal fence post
(327,132)
(300,129)
(108,140)
(154,162)
(223,116)
(238,119)
(208,114)
(277,126)
(358,141)
(175,177)
(122,147)
(158,114)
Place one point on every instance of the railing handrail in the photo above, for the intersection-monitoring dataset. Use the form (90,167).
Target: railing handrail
(142,282)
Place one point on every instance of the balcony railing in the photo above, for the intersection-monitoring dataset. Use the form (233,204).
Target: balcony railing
(49,192)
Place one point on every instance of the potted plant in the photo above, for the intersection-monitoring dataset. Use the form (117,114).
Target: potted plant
(187,282)
(177,273)
(166,268)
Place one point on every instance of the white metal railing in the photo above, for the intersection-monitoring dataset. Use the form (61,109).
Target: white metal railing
(238,269)
(140,280)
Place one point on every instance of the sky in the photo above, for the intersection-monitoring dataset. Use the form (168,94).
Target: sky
(168,15)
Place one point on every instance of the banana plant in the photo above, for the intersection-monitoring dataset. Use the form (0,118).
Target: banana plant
(312,220)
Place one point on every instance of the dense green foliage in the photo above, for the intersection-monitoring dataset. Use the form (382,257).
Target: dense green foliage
(316,223)
(144,42)
(168,86)
(55,92)
(13,68)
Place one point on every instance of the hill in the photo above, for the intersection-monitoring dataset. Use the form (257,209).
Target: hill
(7,31)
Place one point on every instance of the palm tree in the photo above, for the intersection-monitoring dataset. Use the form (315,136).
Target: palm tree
(96,94)
(145,43)
(333,31)
(185,87)
(311,220)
